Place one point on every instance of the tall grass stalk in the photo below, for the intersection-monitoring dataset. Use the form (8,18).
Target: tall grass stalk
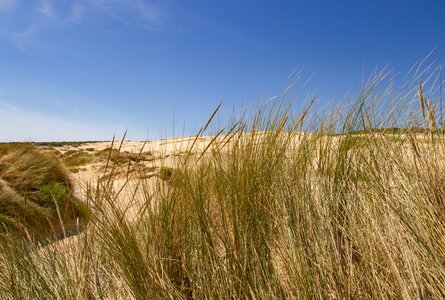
(283,205)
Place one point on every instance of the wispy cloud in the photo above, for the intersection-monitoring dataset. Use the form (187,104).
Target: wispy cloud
(26,22)
(31,21)
(46,8)
(7,5)
(77,12)
(20,125)
(148,13)
(24,38)
(120,10)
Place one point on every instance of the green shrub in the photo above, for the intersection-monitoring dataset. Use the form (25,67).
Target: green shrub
(166,173)
(116,157)
(107,152)
(36,195)
(77,158)
(70,152)
(54,192)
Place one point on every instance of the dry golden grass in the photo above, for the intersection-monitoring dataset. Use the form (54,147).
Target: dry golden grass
(36,198)
(282,205)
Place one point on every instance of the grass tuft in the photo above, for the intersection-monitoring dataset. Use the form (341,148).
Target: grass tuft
(348,204)
(36,198)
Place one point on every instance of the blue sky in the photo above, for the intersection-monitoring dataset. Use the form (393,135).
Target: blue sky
(83,70)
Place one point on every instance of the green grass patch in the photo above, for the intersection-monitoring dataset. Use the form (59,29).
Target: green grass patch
(166,173)
(35,195)
(73,158)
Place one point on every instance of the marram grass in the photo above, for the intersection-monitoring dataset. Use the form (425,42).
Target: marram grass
(303,209)
(36,200)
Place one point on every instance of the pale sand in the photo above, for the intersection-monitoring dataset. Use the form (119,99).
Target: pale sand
(166,152)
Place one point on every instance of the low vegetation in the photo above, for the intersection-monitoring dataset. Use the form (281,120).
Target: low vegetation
(36,200)
(79,157)
(73,158)
(283,205)
(166,173)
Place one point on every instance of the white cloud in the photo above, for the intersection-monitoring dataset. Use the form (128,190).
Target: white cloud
(149,13)
(20,125)
(46,8)
(24,35)
(24,39)
(77,13)
(119,10)
(50,15)
(7,5)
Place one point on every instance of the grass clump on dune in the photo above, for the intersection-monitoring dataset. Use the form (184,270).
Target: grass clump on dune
(74,158)
(166,173)
(122,157)
(283,205)
(36,195)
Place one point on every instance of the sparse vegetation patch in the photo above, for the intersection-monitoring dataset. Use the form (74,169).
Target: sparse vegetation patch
(36,198)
